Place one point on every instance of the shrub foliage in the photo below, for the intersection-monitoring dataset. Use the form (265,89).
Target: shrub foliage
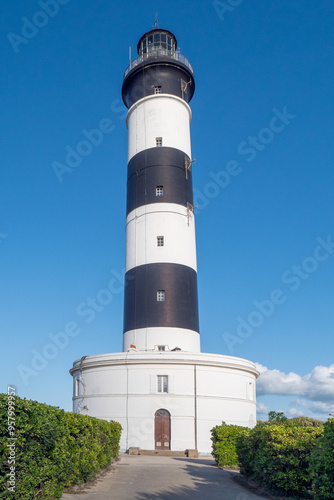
(278,456)
(223,443)
(293,457)
(322,464)
(53,449)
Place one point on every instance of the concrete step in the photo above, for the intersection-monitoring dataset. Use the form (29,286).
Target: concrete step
(164,453)
(167,453)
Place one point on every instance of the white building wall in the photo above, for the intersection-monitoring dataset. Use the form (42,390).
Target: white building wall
(123,387)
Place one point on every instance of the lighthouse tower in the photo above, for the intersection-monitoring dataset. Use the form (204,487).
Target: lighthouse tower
(164,391)
(160,303)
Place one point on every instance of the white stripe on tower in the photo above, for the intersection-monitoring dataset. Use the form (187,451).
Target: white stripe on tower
(160,303)
(159,115)
(147,223)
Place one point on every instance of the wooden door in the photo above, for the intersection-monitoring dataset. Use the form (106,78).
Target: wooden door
(162,430)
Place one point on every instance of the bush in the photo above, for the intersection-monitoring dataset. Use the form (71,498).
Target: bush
(278,456)
(322,464)
(247,448)
(223,443)
(92,444)
(53,448)
(306,422)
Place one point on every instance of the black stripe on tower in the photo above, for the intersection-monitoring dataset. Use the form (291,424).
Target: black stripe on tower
(180,307)
(163,72)
(159,166)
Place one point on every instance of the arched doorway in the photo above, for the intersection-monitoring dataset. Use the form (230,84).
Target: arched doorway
(162,430)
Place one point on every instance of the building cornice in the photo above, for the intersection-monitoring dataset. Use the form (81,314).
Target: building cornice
(165,358)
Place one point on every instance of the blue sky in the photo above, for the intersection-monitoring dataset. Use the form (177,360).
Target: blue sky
(262,135)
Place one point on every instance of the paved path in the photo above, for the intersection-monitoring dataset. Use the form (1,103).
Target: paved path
(165,478)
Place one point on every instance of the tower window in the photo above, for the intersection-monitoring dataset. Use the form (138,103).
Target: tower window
(158,142)
(159,191)
(163,383)
(157,89)
(160,295)
(160,241)
(161,348)
(77,387)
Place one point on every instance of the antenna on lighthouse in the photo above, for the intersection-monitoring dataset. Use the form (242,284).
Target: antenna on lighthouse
(156,24)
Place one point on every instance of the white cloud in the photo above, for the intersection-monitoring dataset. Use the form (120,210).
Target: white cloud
(293,412)
(321,383)
(276,382)
(262,408)
(323,408)
(317,386)
(316,407)
(300,402)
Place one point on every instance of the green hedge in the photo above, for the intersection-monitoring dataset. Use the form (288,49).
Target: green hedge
(322,464)
(294,458)
(53,448)
(278,456)
(223,443)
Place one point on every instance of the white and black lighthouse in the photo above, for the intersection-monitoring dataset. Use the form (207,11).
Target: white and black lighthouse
(164,391)
(160,302)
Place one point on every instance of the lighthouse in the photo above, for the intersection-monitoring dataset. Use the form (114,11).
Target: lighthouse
(161,388)
(160,302)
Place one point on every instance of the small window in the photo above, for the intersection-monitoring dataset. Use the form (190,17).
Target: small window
(163,383)
(161,347)
(158,142)
(159,191)
(160,295)
(77,387)
(250,391)
(157,89)
(160,241)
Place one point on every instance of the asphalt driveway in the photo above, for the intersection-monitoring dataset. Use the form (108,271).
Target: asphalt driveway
(165,478)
